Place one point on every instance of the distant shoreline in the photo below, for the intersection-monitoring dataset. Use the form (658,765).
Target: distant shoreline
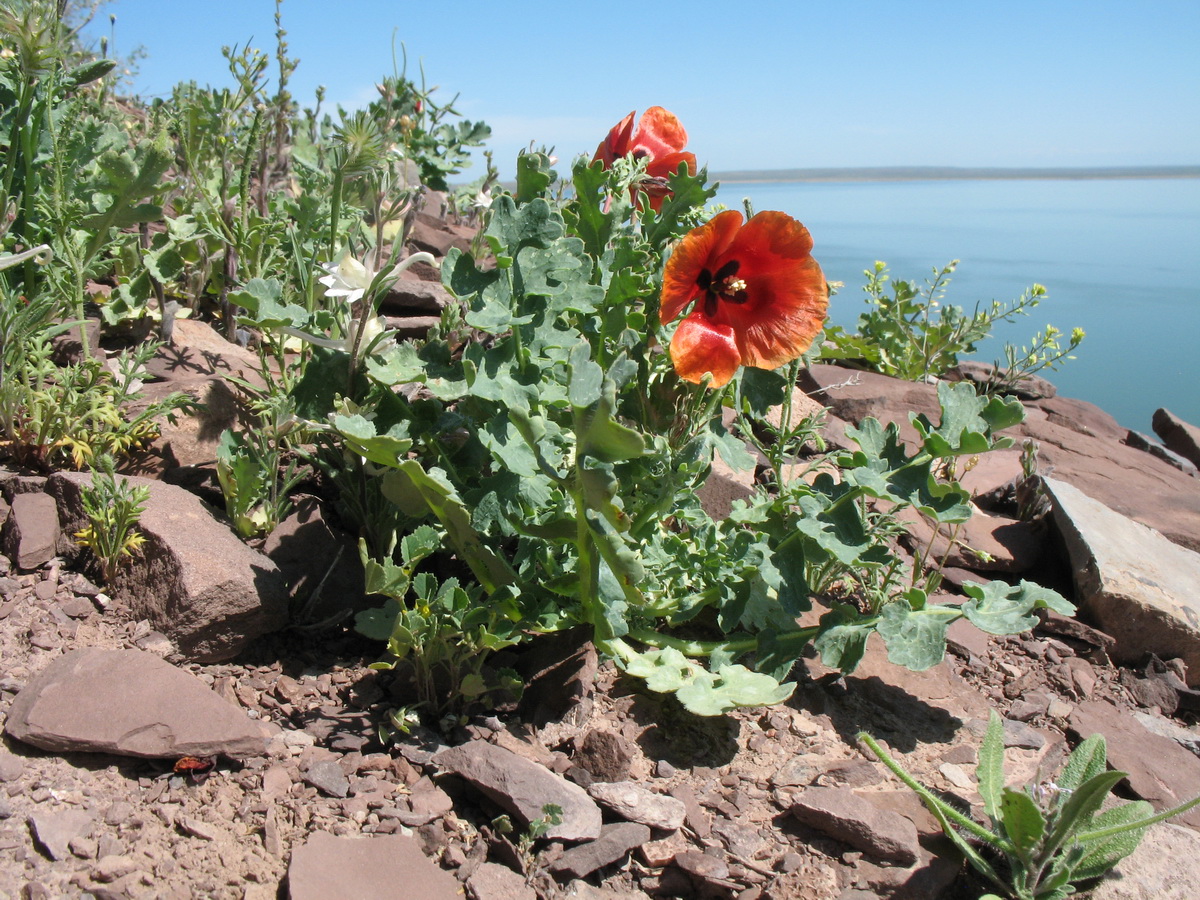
(949,173)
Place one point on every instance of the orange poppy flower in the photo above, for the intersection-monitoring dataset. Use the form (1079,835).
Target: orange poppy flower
(760,296)
(660,138)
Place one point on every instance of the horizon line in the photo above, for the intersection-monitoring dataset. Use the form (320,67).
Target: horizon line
(963,173)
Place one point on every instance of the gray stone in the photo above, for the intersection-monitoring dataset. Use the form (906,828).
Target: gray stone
(130,703)
(523,787)
(1141,588)
(31,532)
(54,829)
(1178,436)
(193,579)
(1141,442)
(411,295)
(327,776)
(614,842)
(847,817)
(1165,866)
(355,868)
(11,766)
(1188,738)
(639,804)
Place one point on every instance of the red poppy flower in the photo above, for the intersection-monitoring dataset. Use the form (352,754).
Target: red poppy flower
(760,296)
(660,138)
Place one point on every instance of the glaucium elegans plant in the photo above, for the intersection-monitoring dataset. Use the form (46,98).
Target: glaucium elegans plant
(537,458)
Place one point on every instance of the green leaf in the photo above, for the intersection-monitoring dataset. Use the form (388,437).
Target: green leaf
(1024,823)
(1086,761)
(705,693)
(418,544)
(1099,856)
(761,390)
(534,175)
(1000,608)
(990,770)
(359,433)
(378,624)
(916,639)
(842,640)
(418,492)
(262,299)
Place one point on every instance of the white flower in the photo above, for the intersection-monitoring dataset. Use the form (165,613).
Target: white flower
(349,279)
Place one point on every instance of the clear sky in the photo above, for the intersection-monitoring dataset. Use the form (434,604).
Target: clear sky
(758,85)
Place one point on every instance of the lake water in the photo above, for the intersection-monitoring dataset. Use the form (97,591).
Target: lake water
(1119,258)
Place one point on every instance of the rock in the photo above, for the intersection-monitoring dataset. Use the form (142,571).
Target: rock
(1165,866)
(853,820)
(1139,441)
(1078,441)
(192,579)
(327,776)
(984,543)
(109,868)
(431,235)
(11,766)
(354,868)
(320,565)
(614,842)
(412,326)
(1179,436)
(639,804)
(524,788)
(723,486)
(1187,738)
(54,830)
(1028,387)
(1093,457)
(411,295)
(492,881)
(1141,588)
(32,532)
(1160,771)
(605,754)
(560,675)
(130,703)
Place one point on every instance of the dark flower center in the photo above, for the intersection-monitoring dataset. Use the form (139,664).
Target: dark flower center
(725,285)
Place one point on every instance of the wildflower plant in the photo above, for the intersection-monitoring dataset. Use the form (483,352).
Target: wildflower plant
(547,442)
(112,507)
(1048,836)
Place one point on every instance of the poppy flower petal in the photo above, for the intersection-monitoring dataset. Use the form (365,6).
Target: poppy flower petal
(698,250)
(659,133)
(617,143)
(669,164)
(700,346)
(786,294)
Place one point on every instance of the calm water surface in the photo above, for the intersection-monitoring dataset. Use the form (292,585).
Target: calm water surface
(1119,258)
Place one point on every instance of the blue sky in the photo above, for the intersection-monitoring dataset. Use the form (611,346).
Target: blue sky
(758,85)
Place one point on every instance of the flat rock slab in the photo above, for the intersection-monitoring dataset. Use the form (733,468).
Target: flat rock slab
(193,579)
(353,868)
(130,703)
(1180,437)
(1141,588)
(614,842)
(1161,772)
(1165,866)
(55,829)
(847,817)
(636,803)
(523,787)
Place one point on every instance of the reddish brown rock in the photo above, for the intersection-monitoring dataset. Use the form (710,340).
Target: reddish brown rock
(614,842)
(31,532)
(853,820)
(1160,770)
(192,578)
(131,703)
(326,866)
(524,788)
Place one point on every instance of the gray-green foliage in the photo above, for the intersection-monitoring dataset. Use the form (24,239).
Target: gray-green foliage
(558,461)
(1049,836)
(910,332)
